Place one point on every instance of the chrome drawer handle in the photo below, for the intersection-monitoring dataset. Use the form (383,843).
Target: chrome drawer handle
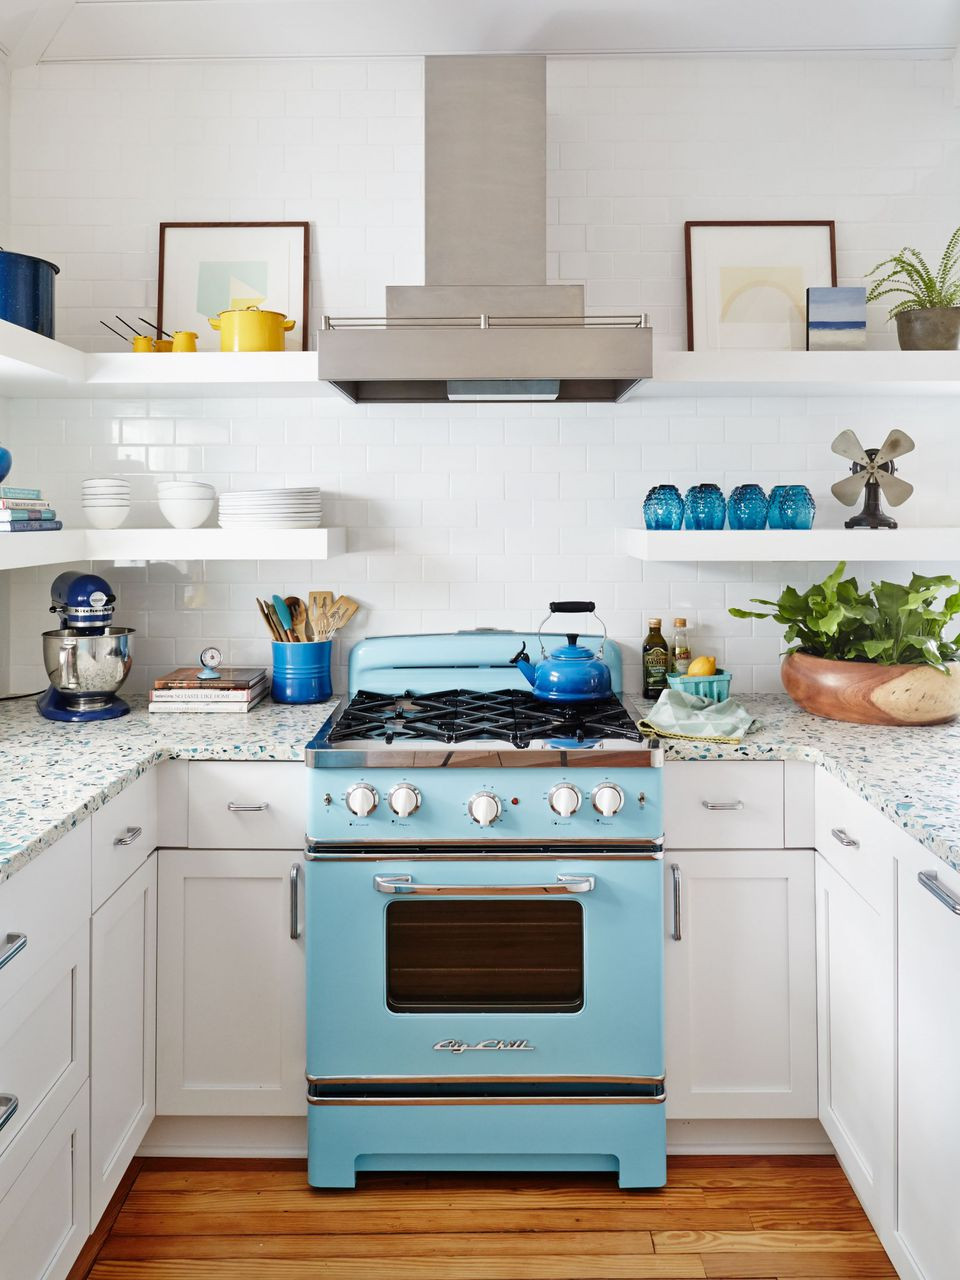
(11,946)
(841,836)
(725,805)
(940,891)
(677,902)
(234,806)
(8,1106)
(133,833)
(405,885)
(295,901)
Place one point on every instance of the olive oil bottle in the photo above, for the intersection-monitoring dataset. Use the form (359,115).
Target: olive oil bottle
(655,660)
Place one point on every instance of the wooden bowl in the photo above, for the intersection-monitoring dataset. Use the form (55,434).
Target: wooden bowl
(868,693)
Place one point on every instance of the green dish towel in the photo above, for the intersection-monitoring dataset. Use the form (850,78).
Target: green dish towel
(684,715)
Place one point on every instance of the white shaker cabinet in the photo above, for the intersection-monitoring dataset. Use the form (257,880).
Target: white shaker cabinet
(123,1030)
(740,984)
(230,1027)
(929,1054)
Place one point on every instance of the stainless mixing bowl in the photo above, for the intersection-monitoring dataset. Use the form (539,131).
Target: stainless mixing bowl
(88,669)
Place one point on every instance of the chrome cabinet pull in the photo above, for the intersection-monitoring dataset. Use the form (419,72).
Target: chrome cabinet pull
(295,901)
(940,891)
(11,946)
(133,833)
(843,838)
(724,805)
(405,885)
(234,806)
(677,902)
(8,1107)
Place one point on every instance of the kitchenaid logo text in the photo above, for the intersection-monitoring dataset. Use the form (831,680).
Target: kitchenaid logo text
(459,1046)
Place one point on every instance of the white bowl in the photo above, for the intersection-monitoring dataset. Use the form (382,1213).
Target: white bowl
(106,517)
(105,488)
(185,513)
(186,493)
(184,484)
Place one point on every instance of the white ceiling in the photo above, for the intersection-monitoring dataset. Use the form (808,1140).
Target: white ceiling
(68,30)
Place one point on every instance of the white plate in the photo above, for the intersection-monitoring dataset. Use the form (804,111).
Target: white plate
(270,524)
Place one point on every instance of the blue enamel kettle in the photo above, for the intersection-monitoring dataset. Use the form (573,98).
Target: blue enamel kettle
(572,672)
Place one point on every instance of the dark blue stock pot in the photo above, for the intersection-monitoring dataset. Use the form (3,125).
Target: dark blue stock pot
(26,291)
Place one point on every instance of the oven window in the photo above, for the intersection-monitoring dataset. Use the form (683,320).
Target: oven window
(485,957)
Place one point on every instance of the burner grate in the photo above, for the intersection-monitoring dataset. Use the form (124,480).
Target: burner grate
(461,715)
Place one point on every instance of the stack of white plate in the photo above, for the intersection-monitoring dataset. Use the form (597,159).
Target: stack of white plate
(185,503)
(106,502)
(272,508)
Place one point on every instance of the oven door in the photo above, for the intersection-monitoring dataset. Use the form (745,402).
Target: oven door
(476,969)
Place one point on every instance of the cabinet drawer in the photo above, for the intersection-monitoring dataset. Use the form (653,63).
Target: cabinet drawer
(723,804)
(856,840)
(243,805)
(45,904)
(124,835)
(44,1039)
(45,1216)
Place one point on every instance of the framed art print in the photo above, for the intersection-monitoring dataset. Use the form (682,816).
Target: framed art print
(747,282)
(209,267)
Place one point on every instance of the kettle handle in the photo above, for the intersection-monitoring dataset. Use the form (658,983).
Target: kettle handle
(572,606)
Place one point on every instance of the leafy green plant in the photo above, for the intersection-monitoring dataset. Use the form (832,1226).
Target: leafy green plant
(922,286)
(889,624)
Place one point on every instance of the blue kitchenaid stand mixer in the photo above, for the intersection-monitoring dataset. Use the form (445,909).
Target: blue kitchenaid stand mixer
(87,659)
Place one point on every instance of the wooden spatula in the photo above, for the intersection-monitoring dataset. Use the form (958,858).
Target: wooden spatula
(298,616)
(267,615)
(344,607)
(319,603)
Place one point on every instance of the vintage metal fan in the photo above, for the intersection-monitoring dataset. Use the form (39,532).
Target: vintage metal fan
(873,473)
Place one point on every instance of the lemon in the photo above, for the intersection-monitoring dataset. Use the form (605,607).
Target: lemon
(706,666)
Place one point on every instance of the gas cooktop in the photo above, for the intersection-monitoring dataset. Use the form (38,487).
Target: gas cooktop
(455,716)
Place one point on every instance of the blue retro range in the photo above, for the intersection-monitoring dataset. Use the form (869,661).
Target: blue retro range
(484,921)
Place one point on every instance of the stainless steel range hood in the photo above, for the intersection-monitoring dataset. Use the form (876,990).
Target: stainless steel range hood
(486,325)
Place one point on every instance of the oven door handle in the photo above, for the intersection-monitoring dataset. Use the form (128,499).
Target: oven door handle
(405,885)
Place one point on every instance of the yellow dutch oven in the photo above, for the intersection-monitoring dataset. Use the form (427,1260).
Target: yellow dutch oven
(250,329)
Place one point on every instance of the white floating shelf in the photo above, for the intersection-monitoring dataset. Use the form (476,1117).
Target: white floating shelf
(249,373)
(921,545)
(809,373)
(19,551)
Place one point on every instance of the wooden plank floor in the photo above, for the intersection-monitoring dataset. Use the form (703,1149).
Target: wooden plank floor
(720,1218)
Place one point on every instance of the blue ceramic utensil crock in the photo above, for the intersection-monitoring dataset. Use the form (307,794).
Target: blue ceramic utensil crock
(26,291)
(301,671)
(572,672)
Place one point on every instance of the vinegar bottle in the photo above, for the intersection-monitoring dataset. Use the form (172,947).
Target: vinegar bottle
(655,661)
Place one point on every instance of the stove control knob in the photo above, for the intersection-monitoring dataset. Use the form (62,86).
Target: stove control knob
(404,799)
(484,808)
(564,799)
(362,799)
(607,799)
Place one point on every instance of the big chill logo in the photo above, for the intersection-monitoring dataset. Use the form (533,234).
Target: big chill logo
(460,1046)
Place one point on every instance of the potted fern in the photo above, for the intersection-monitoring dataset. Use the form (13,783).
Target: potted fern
(876,657)
(928,317)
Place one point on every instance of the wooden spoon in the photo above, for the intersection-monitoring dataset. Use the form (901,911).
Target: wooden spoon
(298,616)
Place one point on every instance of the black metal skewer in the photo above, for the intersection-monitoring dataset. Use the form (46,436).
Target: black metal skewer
(150,325)
(130,326)
(122,337)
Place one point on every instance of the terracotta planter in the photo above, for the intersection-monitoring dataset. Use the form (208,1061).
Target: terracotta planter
(868,693)
(929,329)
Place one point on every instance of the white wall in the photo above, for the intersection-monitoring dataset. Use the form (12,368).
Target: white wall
(468,515)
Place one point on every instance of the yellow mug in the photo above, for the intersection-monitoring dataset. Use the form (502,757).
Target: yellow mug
(142,342)
(184,340)
(163,344)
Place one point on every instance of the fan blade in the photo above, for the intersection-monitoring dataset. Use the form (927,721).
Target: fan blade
(848,491)
(848,446)
(894,489)
(896,443)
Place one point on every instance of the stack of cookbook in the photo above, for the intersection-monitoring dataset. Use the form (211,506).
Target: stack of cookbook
(235,689)
(26,511)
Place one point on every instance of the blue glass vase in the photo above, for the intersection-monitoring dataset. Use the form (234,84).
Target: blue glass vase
(797,507)
(774,517)
(6,462)
(747,507)
(663,507)
(704,507)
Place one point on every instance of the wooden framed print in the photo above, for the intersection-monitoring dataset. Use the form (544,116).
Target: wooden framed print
(209,267)
(747,282)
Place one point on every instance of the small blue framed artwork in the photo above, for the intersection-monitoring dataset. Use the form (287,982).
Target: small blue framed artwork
(837,319)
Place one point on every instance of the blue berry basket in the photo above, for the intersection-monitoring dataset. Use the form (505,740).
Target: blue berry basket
(716,688)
